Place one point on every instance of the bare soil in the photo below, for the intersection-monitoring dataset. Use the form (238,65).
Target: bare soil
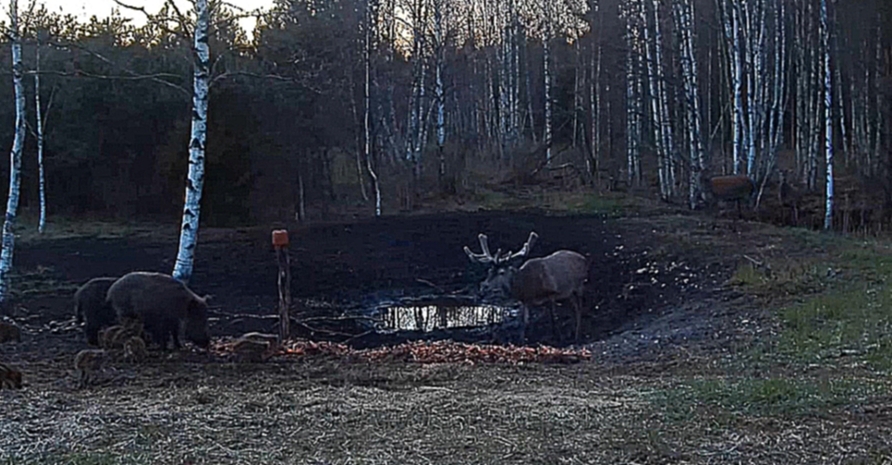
(660,312)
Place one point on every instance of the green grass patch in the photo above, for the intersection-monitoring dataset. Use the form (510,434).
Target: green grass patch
(851,323)
(59,228)
(852,319)
(725,399)
(611,206)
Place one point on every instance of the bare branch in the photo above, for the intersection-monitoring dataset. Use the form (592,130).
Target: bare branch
(132,76)
(155,21)
(274,77)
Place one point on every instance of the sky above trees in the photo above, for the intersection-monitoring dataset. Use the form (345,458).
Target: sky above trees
(84,9)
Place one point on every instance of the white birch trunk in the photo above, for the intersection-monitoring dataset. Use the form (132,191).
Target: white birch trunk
(731,20)
(577,104)
(655,104)
(634,93)
(546,58)
(41,223)
(198,142)
(828,119)
(595,97)
(878,96)
(529,90)
(367,105)
(15,155)
(668,140)
(684,20)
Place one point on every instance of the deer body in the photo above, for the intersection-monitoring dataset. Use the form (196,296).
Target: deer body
(788,195)
(732,188)
(559,276)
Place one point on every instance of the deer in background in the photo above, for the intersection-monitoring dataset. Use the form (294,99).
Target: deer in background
(788,195)
(559,276)
(732,188)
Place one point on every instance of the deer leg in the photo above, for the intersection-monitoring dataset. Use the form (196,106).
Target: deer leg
(553,322)
(525,318)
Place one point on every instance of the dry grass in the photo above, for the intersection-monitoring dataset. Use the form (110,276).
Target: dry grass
(321,411)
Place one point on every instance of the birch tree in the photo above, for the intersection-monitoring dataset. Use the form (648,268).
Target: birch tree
(15,155)
(731,27)
(634,95)
(684,13)
(370,21)
(546,74)
(828,119)
(41,119)
(182,269)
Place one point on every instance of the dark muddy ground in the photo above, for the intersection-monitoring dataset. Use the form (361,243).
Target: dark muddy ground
(341,267)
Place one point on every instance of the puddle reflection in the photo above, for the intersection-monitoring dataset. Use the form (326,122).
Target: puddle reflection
(433,317)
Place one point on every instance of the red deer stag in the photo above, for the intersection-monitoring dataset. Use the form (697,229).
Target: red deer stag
(733,188)
(559,276)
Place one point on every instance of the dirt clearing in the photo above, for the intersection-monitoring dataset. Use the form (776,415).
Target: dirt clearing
(687,358)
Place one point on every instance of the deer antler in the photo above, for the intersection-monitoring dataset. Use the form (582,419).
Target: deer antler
(484,257)
(520,253)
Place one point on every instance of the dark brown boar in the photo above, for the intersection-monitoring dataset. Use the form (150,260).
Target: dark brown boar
(91,308)
(10,378)
(164,305)
(9,332)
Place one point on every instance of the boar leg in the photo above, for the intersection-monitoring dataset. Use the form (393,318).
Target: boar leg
(172,329)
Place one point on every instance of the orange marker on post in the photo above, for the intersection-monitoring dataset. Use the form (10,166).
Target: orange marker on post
(280,243)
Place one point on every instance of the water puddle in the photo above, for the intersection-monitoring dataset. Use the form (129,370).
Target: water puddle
(436,317)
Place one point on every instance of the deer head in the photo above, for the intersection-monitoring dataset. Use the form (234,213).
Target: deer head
(501,273)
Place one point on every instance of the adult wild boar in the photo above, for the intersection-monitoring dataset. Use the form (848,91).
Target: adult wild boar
(164,305)
(91,307)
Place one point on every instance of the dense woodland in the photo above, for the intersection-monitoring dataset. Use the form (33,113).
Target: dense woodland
(329,100)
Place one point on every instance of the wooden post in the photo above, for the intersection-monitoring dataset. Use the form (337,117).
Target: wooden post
(280,242)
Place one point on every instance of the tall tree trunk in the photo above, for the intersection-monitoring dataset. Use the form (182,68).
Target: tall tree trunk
(367,101)
(41,224)
(735,60)
(15,155)
(828,118)
(634,94)
(684,19)
(198,142)
(546,58)
(595,98)
(655,98)
(439,92)
(577,104)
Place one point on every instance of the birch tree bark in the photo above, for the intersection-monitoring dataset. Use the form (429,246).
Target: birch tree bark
(684,14)
(198,142)
(634,94)
(731,23)
(828,119)
(15,155)
(370,21)
(546,59)
(41,223)
(439,48)
(595,96)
